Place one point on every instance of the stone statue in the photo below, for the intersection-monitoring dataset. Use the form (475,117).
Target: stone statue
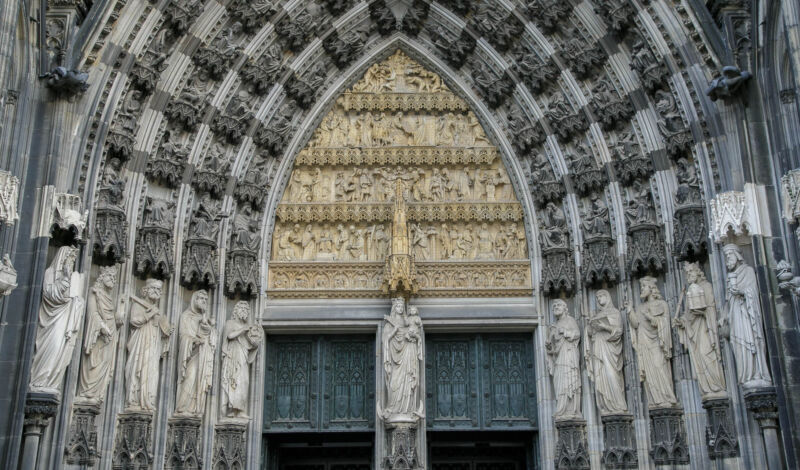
(100,339)
(652,340)
(197,343)
(697,330)
(563,358)
(604,359)
(240,346)
(60,319)
(402,359)
(148,342)
(744,322)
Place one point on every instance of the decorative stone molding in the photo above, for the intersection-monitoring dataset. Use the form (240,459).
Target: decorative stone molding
(720,431)
(690,234)
(763,402)
(350,212)
(81,448)
(110,235)
(620,442)
(535,73)
(183,444)
(9,195)
(266,71)
(230,446)
(558,272)
(668,437)
(524,133)
(406,156)
(735,215)
(344,48)
(154,241)
(199,263)
(134,440)
(8,276)
(65,218)
(571,449)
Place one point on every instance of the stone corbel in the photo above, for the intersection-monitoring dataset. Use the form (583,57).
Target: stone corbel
(61,216)
(737,215)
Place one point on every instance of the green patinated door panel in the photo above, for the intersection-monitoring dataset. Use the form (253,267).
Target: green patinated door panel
(480,382)
(319,383)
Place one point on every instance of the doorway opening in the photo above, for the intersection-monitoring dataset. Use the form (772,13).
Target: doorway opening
(494,450)
(319,451)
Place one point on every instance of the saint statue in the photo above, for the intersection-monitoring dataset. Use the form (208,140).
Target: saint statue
(744,321)
(102,334)
(402,360)
(697,330)
(148,342)
(196,345)
(652,340)
(563,358)
(241,341)
(60,319)
(604,356)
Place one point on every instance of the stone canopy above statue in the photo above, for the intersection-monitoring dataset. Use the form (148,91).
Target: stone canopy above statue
(400,123)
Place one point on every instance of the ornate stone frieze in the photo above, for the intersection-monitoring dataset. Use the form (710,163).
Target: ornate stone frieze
(404,156)
(588,177)
(537,74)
(274,135)
(133,440)
(668,437)
(562,119)
(81,447)
(265,71)
(677,137)
(352,212)
(720,430)
(199,265)
(153,254)
(344,48)
(217,57)
(582,55)
(230,446)
(166,167)
(110,238)
(618,14)
(498,25)
(303,88)
(181,14)
(495,87)
(653,72)
(548,14)
(392,102)
(455,49)
(608,106)
(298,28)
(9,195)
(184,439)
(253,14)
(630,164)
(620,442)
(572,451)
(690,235)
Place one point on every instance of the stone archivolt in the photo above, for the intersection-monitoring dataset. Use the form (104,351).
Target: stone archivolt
(399,125)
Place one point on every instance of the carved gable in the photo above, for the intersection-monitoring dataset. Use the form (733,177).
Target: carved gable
(400,123)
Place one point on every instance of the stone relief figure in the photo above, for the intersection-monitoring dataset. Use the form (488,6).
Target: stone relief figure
(652,340)
(744,323)
(240,346)
(604,359)
(148,342)
(697,330)
(100,340)
(553,231)
(402,358)
(563,358)
(60,319)
(195,356)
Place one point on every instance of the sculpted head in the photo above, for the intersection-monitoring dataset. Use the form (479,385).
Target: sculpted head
(559,308)
(603,298)
(107,277)
(241,311)
(694,273)
(152,289)
(413,311)
(733,256)
(200,301)
(648,288)
(398,306)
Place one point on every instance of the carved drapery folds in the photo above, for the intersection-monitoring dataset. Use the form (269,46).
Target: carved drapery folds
(217,57)
(148,67)
(582,55)
(544,185)
(298,29)
(690,235)
(599,251)
(558,263)
(274,135)
(525,134)
(110,240)
(677,137)
(618,14)
(537,74)
(181,14)
(166,167)
(121,137)
(415,17)
(199,266)
(608,106)
(563,120)
(154,240)
(652,71)
(587,176)
(265,71)
(242,268)
(494,86)
(646,250)
(255,185)
(186,110)
(212,176)
(234,121)
(630,164)
(252,14)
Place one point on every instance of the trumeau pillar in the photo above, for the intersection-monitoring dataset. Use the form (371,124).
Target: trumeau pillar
(39,408)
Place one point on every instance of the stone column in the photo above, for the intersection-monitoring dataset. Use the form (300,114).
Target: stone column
(720,431)
(230,446)
(668,436)
(134,440)
(82,446)
(571,449)
(39,408)
(183,444)
(763,402)
(619,441)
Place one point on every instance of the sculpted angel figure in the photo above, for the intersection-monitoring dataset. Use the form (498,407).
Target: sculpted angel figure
(604,356)
(563,358)
(60,319)
(241,342)
(402,357)
(105,317)
(197,343)
(697,330)
(652,340)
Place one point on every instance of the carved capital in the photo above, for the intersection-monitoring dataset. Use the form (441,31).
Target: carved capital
(735,215)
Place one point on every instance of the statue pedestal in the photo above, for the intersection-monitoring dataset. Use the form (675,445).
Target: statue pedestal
(133,443)
(82,446)
(402,443)
(720,431)
(230,445)
(619,440)
(39,408)
(763,402)
(668,437)
(571,448)
(183,443)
